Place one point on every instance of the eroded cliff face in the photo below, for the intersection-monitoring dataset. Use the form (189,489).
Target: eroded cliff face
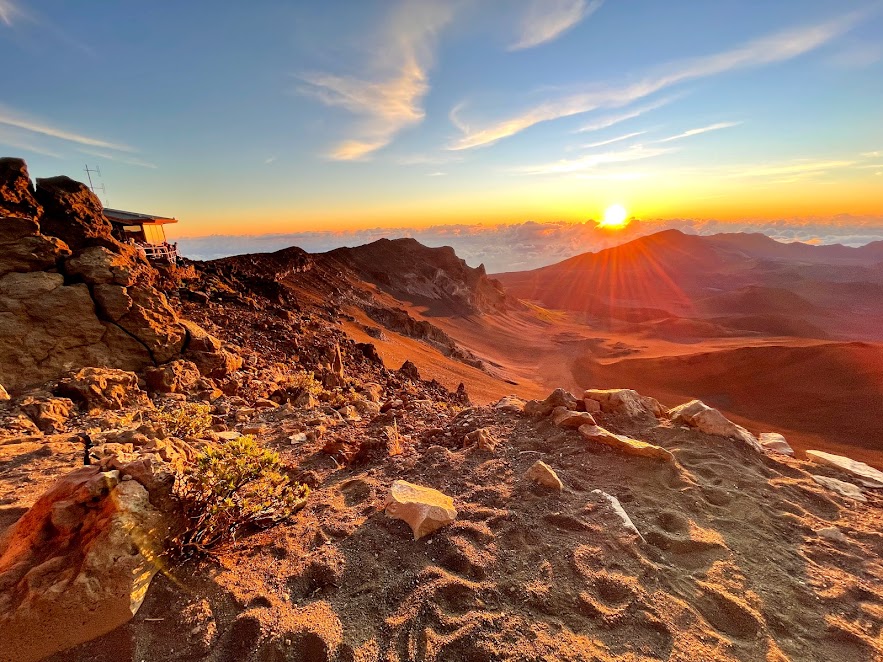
(70,294)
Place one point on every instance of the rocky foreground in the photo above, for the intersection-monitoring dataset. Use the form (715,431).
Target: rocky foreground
(595,526)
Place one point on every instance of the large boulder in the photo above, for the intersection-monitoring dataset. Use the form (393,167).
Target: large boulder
(73,213)
(16,190)
(173,377)
(625,401)
(706,419)
(207,352)
(48,413)
(774,442)
(23,248)
(423,508)
(557,398)
(102,388)
(77,564)
(62,331)
(98,265)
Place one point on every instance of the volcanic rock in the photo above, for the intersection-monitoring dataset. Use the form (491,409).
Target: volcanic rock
(617,508)
(73,213)
(482,439)
(699,415)
(77,564)
(102,388)
(48,413)
(624,401)
(564,418)
(557,398)
(542,473)
(423,508)
(842,488)
(866,475)
(625,444)
(775,443)
(173,377)
(3,394)
(17,191)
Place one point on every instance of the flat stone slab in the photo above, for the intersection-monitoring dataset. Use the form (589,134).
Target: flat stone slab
(842,488)
(619,511)
(866,475)
(566,418)
(625,444)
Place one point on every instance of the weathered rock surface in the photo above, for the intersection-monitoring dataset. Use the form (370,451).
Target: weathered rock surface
(73,213)
(48,413)
(625,401)
(510,403)
(77,564)
(207,353)
(78,296)
(423,508)
(3,394)
(775,443)
(842,488)
(558,398)
(864,474)
(482,439)
(542,473)
(619,511)
(173,377)
(102,388)
(706,419)
(564,418)
(625,444)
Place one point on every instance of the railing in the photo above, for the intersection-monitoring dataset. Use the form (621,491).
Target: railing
(160,252)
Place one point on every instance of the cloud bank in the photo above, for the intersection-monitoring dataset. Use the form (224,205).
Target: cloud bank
(530,245)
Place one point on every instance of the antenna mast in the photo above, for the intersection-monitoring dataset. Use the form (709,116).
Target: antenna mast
(95,187)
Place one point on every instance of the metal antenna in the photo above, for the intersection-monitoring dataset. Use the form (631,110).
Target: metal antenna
(96,187)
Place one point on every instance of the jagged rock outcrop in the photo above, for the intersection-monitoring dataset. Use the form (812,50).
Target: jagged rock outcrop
(77,564)
(71,295)
(102,388)
(173,377)
(625,401)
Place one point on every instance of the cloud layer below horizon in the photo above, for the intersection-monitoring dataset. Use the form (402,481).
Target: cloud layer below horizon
(529,245)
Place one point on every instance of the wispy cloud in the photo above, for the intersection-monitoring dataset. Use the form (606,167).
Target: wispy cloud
(9,12)
(610,120)
(269,160)
(9,139)
(589,161)
(788,169)
(699,131)
(391,99)
(546,20)
(777,47)
(610,141)
(17,121)
(119,158)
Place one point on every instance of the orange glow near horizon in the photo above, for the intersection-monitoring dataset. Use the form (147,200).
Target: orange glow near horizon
(615,218)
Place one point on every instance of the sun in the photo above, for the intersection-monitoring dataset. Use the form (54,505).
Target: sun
(615,217)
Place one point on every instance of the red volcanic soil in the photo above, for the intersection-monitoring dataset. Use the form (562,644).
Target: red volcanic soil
(821,396)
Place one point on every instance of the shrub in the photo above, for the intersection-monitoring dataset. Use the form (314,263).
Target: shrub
(187,419)
(306,382)
(231,486)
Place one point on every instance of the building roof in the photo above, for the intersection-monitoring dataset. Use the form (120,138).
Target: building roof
(120,216)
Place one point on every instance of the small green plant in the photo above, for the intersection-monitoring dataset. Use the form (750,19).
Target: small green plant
(231,486)
(305,381)
(187,419)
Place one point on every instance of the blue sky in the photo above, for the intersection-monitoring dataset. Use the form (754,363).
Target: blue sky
(305,116)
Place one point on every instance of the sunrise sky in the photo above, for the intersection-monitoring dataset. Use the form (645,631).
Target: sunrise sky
(313,116)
